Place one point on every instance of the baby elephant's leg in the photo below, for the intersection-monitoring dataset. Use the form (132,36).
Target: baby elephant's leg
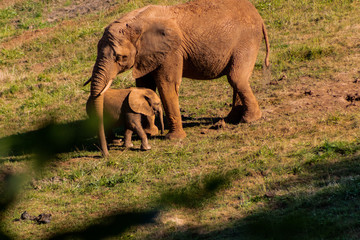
(144,141)
(149,125)
(127,138)
(134,123)
(111,138)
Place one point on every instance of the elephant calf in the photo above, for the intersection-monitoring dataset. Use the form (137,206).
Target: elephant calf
(125,107)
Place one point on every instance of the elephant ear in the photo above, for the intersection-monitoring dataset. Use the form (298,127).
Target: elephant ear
(159,38)
(139,101)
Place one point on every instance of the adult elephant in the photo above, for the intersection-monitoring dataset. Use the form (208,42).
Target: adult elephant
(201,39)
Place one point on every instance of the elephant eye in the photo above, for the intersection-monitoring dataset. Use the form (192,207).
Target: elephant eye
(121,58)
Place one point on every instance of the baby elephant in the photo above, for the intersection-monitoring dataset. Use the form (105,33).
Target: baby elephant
(125,107)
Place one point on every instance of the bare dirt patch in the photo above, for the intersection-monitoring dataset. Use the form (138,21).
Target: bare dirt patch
(25,37)
(315,97)
(79,8)
(7,3)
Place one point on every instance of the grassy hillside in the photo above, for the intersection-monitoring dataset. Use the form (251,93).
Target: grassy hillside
(294,174)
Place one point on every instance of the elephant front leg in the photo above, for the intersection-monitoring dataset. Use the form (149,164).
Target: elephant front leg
(168,78)
(134,124)
(148,81)
(169,93)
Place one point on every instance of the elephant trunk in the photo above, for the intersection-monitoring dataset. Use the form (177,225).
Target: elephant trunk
(99,111)
(97,88)
(161,120)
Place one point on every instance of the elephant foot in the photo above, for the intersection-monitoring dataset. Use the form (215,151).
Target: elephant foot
(145,147)
(239,114)
(152,131)
(128,145)
(116,141)
(251,117)
(176,135)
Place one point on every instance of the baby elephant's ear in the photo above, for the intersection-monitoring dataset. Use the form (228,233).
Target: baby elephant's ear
(140,99)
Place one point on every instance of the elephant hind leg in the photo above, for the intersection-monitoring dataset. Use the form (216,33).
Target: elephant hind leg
(148,123)
(245,106)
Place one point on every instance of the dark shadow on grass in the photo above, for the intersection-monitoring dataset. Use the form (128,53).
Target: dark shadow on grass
(194,195)
(110,226)
(331,212)
(51,139)
(160,137)
(197,193)
(9,186)
(189,122)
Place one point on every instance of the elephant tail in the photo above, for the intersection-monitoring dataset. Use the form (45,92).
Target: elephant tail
(267,63)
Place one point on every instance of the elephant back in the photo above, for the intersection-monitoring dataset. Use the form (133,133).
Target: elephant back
(114,100)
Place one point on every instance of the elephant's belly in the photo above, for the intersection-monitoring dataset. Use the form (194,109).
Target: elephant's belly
(204,70)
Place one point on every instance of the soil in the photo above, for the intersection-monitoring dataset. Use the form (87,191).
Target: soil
(77,8)
(7,3)
(340,93)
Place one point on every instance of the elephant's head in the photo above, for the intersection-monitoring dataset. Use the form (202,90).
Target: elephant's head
(146,102)
(130,42)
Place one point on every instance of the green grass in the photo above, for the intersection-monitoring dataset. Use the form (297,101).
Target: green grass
(294,174)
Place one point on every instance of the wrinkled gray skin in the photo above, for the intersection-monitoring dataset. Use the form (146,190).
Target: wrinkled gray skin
(200,39)
(125,107)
